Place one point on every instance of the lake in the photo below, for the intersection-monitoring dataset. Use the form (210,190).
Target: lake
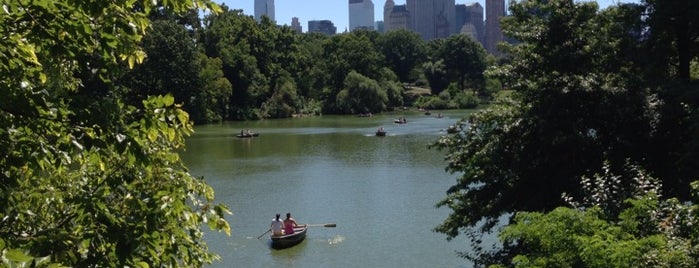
(380,191)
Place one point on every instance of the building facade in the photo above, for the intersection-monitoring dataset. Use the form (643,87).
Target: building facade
(296,25)
(432,18)
(495,10)
(322,26)
(396,16)
(264,8)
(379,26)
(469,20)
(361,15)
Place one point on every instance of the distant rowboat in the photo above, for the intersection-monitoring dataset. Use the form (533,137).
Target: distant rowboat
(247,135)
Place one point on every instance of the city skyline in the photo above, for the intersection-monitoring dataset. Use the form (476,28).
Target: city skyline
(337,11)
(264,8)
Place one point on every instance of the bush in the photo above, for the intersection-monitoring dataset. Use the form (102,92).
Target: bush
(431,102)
(464,100)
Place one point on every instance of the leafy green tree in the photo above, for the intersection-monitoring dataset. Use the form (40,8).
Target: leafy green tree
(641,230)
(346,53)
(88,181)
(210,104)
(312,75)
(672,43)
(403,51)
(465,61)
(394,89)
(361,94)
(436,74)
(231,36)
(170,66)
(674,36)
(257,58)
(283,103)
(567,115)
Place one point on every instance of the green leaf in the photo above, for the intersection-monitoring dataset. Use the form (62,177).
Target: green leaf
(152,134)
(168,100)
(15,255)
(131,61)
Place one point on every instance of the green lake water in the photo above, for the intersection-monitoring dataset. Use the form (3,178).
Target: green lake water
(380,191)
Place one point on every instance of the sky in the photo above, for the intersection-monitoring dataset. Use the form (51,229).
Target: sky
(335,10)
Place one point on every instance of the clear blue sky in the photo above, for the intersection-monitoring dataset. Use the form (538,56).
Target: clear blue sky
(335,10)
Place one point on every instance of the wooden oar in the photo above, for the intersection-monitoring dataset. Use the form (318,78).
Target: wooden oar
(322,225)
(264,233)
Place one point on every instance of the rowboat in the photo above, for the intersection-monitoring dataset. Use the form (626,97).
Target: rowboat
(247,135)
(400,121)
(380,133)
(290,240)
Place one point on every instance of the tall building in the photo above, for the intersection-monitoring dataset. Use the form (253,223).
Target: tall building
(322,26)
(469,20)
(379,26)
(264,8)
(432,18)
(495,10)
(361,14)
(296,25)
(396,17)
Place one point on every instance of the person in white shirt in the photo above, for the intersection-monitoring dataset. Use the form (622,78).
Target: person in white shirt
(277,226)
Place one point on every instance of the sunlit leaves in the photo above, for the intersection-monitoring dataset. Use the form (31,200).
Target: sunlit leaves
(86,179)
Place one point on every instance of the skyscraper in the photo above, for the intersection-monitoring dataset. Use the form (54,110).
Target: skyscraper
(296,25)
(322,26)
(494,10)
(264,8)
(432,18)
(469,20)
(361,14)
(396,17)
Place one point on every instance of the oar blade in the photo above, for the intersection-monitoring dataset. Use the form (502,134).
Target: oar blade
(330,225)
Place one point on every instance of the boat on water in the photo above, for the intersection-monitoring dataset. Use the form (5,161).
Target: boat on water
(380,132)
(289,240)
(400,120)
(247,134)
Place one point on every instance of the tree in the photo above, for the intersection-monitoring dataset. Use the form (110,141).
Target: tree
(170,67)
(361,94)
(311,76)
(256,58)
(436,74)
(671,40)
(346,53)
(403,51)
(567,116)
(210,104)
(231,36)
(394,89)
(87,180)
(641,229)
(674,36)
(465,61)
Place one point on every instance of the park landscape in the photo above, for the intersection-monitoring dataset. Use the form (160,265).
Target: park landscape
(581,150)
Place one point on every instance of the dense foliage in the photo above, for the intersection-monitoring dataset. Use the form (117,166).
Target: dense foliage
(86,179)
(594,90)
(275,72)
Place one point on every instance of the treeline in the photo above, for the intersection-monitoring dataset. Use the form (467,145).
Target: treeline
(227,66)
(593,161)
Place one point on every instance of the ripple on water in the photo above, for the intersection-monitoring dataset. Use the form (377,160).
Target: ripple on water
(336,239)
